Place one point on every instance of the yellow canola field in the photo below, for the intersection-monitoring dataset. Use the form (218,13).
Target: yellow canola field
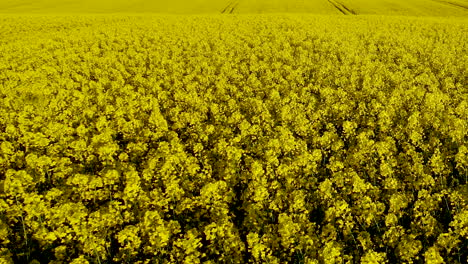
(233,139)
(452,8)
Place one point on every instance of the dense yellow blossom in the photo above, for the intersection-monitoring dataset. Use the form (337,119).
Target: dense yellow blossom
(234,139)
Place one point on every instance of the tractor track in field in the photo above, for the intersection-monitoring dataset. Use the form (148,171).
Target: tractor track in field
(452,4)
(342,8)
(229,9)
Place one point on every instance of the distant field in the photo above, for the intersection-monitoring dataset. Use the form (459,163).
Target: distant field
(348,7)
(116,6)
(408,7)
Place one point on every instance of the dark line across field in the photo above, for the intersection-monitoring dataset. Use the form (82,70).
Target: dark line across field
(226,8)
(229,9)
(342,8)
(452,4)
(234,7)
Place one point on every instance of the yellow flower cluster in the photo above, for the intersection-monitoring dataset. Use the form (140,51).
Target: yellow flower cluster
(233,139)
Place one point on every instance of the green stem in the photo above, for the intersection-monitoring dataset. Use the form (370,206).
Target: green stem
(22,222)
(377,224)
(97,255)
